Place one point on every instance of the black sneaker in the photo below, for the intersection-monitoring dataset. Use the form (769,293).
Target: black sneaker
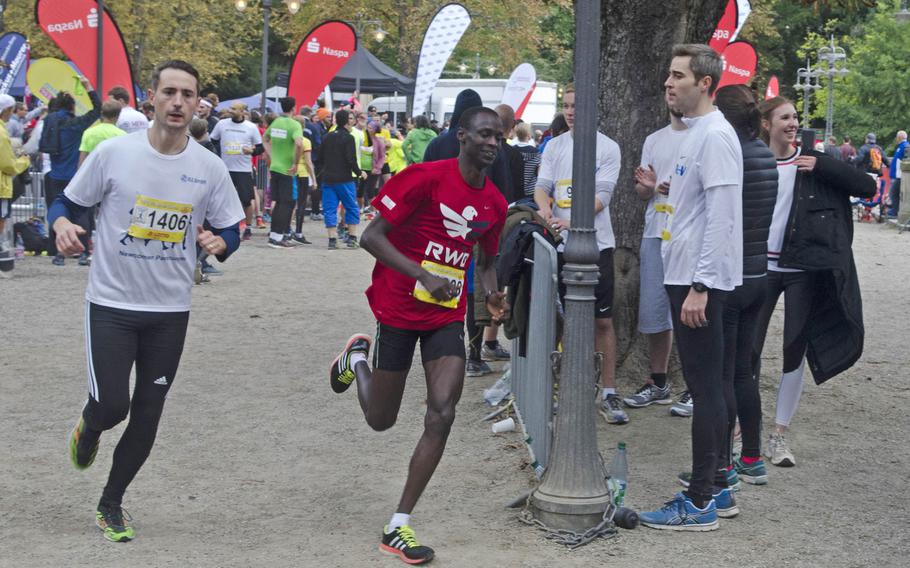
(498,353)
(83,445)
(247,234)
(114,522)
(85,259)
(352,242)
(402,543)
(476,368)
(301,239)
(333,244)
(341,373)
(282,244)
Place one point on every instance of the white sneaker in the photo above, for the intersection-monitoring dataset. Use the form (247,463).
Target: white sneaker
(778,451)
(683,407)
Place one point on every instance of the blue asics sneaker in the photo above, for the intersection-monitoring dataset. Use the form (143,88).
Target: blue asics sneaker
(732,479)
(753,473)
(680,514)
(726,504)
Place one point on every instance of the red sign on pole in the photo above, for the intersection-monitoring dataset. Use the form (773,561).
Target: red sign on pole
(773,89)
(73,26)
(739,64)
(320,57)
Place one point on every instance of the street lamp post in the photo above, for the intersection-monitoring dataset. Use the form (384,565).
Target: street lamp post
(360,26)
(573,493)
(491,67)
(832,55)
(807,82)
(293,7)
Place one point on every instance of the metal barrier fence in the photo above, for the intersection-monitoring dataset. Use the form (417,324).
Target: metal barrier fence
(31,203)
(532,378)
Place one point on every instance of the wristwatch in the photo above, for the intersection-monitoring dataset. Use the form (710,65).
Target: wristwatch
(699,287)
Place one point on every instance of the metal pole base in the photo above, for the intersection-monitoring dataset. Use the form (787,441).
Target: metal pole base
(568,513)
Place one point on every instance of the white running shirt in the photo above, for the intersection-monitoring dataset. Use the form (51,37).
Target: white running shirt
(704,236)
(555,177)
(232,137)
(160,199)
(131,120)
(660,151)
(786,186)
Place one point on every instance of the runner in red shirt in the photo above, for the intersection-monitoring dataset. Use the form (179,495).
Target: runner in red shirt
(430,217)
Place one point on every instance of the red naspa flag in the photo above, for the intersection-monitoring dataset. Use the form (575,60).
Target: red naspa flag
(73,26)
(730,24)
(739,64)
(321,55)
(773,89)
(520,87)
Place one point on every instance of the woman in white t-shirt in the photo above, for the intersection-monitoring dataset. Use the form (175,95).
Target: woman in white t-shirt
(810,261)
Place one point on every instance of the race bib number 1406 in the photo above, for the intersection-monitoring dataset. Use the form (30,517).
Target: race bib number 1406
(160,220)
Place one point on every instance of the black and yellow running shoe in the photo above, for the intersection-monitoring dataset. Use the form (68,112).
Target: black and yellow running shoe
(341,373)
(83,445)
(114,523)
(402,543)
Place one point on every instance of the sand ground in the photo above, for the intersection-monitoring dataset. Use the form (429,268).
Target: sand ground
(257,463)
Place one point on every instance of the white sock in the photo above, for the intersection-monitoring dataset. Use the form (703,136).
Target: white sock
(357,357)
(608,390)
(791,388)
(276,236)
(299,235)
(399,520)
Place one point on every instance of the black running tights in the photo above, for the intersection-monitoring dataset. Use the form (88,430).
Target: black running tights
(116,339)
(701,352)
(741,312)
(283,198)
(303,189)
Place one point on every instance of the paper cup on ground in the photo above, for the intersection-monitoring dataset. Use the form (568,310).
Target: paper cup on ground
(507,425)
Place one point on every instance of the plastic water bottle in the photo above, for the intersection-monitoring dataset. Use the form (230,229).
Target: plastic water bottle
(619,475)
(20,247)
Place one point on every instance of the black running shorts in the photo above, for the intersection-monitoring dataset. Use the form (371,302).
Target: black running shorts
(393,348)
(603,292)
(243,183)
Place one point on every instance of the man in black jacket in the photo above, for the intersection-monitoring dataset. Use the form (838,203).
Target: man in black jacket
(337,164)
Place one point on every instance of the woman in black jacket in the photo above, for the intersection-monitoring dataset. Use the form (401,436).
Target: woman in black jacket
(810,261)
(743,305)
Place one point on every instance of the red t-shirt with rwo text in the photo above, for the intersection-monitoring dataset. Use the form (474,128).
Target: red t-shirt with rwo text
(437,219)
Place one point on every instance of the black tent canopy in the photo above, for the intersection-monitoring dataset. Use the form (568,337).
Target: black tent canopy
(375,76)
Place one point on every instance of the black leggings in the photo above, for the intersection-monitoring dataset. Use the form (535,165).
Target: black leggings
(303,189)
(741,312)
(316,200)
(701,352)
(799,292)
(283,198)
(116,339)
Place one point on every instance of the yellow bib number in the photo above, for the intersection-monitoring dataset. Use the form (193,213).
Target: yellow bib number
(563,194)
(234,149)
(160,220)
(454,275)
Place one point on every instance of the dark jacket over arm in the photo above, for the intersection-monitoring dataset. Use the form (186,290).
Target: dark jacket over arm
(337,160)
(819,238)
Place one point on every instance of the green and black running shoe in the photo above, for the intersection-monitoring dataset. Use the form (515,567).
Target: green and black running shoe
(402,543)
(114,523)
(83,446)
(341,373)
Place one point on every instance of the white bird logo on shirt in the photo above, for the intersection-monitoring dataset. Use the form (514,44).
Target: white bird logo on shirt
(461,225)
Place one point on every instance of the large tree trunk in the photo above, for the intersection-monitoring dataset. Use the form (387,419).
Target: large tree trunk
(637,39)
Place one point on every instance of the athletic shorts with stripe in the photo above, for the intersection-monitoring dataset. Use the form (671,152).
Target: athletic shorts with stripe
(393,347)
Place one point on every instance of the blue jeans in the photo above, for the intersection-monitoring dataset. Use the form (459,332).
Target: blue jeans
(344,193)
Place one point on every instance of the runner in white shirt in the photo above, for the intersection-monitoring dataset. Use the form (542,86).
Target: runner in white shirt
(239,140)
(703,258)
(130,119)
(553,195)
(155,188)
(652,182)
